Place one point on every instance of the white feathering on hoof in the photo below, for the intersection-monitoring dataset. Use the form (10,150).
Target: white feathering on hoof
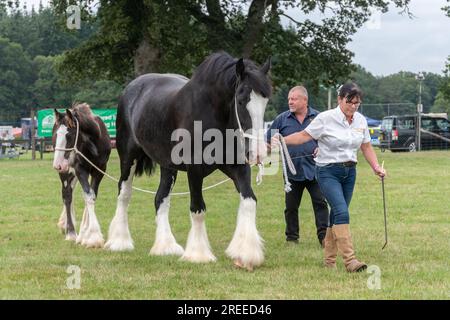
(246,247)
(197,246)
(90,233)
(119,236)
(165,243)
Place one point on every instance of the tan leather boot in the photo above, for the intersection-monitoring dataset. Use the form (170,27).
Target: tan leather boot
(343,238)
(330,249)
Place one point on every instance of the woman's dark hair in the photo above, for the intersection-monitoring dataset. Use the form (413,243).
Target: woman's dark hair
(349,91)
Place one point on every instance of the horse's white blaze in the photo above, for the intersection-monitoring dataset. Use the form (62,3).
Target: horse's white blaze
(197,246)
(256,108)
(119,237)
(92,236)
(165,243)
(246,245)
(59,162)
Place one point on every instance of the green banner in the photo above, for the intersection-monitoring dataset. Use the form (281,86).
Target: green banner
(46,120)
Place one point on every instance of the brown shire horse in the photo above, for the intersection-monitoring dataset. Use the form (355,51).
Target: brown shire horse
(79,129)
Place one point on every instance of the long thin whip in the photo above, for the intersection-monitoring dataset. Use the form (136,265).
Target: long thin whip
(384,208)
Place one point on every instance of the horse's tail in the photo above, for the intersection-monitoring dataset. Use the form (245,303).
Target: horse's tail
(144,164)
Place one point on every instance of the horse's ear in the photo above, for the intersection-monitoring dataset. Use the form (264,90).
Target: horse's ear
(58,116)
(267,65)
(240,68)
(71,118)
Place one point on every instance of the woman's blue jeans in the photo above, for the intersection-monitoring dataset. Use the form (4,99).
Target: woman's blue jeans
(337,182)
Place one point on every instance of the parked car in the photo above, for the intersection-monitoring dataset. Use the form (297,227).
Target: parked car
(398,133)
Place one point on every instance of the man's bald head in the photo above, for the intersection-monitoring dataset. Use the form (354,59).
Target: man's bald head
(301,90)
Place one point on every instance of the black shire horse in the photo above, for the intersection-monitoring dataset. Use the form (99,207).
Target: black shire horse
(81,128)
(154,111)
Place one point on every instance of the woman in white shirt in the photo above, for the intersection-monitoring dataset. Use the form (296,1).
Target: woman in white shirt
(340,132)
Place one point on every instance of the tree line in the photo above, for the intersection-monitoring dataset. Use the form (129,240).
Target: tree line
(399,92)
(44,64)
(32,43)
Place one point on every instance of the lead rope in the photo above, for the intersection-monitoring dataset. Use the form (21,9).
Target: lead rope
(285,160)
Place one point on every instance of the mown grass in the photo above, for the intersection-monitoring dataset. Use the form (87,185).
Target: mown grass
(415,265)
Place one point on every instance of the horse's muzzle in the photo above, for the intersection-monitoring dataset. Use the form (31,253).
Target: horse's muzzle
(61,166)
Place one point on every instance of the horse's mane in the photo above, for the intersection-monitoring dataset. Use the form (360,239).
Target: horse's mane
(86,118)
(220,67)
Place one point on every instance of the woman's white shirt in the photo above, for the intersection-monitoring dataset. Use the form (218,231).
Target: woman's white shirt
(338,140)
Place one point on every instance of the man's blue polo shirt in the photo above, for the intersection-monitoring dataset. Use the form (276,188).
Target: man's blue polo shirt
(286,123)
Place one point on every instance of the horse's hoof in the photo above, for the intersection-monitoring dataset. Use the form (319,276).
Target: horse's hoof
(119,245)
(94,244)
(238,264)
(71,236)
(164,250)
(79,239)
(94,241)
(196,258)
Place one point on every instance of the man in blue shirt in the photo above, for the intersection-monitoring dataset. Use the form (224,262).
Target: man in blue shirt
(297,118)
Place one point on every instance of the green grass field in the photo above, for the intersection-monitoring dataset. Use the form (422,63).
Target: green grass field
(34,257)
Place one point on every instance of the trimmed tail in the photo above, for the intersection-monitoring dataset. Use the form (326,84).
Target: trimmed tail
(144,164)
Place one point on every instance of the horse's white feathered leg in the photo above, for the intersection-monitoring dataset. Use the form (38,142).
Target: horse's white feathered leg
(246,247)
(93,237)
(165,243)
(197,246)
(119,237)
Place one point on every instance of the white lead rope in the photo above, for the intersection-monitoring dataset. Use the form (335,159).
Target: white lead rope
(285,160)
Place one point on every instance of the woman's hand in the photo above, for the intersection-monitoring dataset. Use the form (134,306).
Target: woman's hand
(315,153)
(379,171)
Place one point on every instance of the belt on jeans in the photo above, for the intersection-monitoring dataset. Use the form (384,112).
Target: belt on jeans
(346,164)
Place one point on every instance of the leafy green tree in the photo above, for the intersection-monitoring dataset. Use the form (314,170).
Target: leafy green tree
(379,94)
(103,94)
(15,78)
(278,103)
(441,104)
(136,37)
(140,36)
(41,32)
(29,41)
(48,89)
(51,91)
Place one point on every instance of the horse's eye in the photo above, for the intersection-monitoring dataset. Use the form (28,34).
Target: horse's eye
(243,102)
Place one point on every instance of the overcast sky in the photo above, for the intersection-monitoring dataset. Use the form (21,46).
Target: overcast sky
(391,42)
(404,44)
